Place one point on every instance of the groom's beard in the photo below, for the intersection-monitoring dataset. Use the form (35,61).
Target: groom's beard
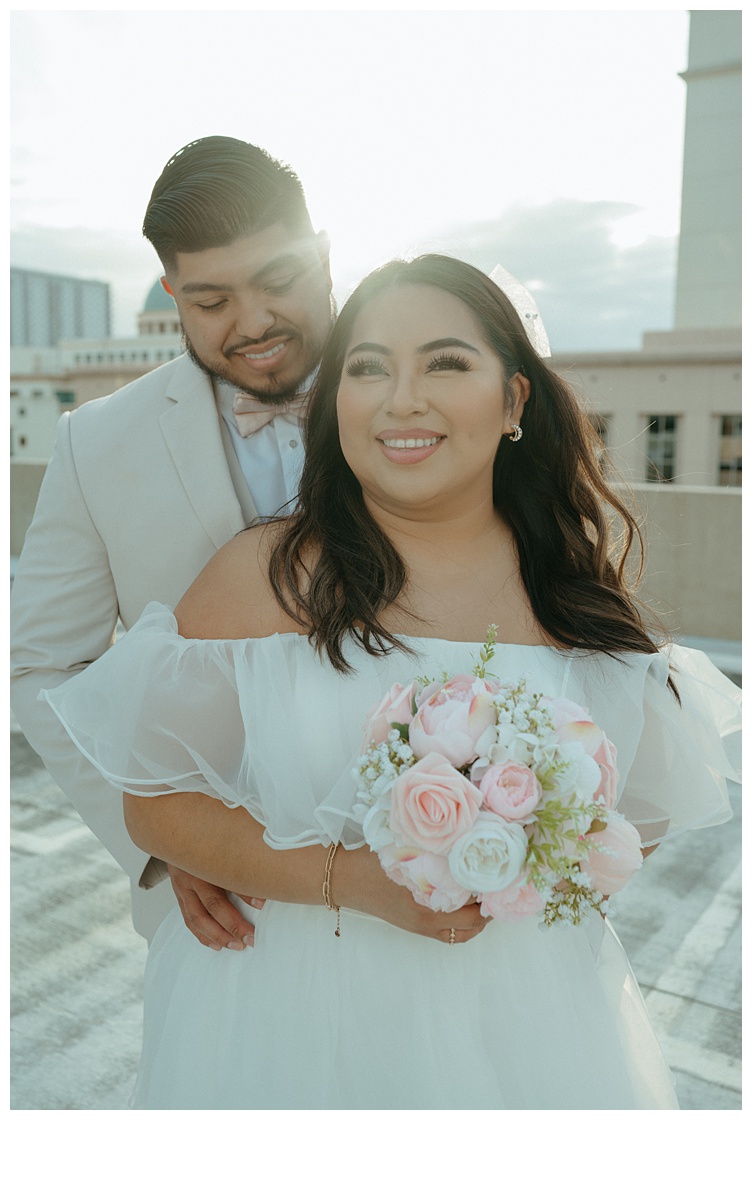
(277,392)
(276,395)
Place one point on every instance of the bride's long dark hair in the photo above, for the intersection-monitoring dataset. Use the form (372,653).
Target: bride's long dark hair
(335,571)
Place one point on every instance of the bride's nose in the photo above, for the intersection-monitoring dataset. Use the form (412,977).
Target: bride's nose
(406,396)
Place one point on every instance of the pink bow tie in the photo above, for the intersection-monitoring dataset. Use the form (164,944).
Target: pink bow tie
(251,414)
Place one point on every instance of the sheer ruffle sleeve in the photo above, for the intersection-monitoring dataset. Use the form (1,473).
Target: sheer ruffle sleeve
(688,749)
(159,713)
(674,757)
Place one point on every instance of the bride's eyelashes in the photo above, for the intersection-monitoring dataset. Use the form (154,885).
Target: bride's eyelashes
(449,362)
(365,366)
(440,362)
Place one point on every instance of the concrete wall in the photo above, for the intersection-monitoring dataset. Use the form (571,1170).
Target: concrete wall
(693,572)
(693,541)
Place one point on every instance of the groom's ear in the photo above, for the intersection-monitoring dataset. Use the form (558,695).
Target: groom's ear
(323,246)
(167,287)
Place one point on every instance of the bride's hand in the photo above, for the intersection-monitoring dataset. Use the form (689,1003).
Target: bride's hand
(359,882)
(209,913)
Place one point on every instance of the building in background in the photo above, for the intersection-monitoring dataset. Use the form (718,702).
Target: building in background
(46,309)
(672,411)
(47,378)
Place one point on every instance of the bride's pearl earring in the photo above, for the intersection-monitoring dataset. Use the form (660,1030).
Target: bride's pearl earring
(515,437)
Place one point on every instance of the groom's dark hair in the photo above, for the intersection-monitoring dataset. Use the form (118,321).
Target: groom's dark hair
(218,189)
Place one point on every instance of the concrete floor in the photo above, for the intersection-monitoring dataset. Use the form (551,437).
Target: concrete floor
(76,963)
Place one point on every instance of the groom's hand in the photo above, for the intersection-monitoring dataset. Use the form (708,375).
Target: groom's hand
(210,914)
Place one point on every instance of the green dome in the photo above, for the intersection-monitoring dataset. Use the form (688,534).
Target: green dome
(158,299)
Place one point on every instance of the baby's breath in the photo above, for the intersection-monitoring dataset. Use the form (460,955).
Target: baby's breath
(381,764)
(575,904)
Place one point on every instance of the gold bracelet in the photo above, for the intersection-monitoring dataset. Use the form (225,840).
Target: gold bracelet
(327,888)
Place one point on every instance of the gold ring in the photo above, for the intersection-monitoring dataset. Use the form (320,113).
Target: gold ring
(451,937)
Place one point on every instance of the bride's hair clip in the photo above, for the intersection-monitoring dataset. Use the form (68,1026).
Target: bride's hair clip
(527,310)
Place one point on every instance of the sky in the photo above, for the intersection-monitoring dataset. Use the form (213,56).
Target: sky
(548,141)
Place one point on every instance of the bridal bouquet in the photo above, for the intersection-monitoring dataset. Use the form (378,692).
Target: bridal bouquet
(469,788)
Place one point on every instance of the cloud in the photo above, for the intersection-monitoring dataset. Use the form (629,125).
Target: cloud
(593,294)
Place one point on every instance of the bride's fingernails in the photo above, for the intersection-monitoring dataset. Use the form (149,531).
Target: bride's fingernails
(248,939)
(235,946)
(258,903)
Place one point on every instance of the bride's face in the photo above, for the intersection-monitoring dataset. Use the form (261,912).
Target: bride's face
(421,404)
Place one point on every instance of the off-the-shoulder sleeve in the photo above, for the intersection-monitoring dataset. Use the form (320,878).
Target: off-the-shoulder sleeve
(159,713)
(687,750)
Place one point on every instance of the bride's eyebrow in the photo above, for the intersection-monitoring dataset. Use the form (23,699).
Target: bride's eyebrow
(438,344)
(442,343)
(374,347)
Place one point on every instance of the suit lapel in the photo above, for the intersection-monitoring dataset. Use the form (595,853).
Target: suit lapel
(192,433)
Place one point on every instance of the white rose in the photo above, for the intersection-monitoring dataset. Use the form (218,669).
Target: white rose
(490,856)
(376,829)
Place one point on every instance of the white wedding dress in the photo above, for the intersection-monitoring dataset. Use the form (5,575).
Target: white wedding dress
(518,1018)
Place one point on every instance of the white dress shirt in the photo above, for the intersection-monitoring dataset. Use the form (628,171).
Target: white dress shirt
(271,459)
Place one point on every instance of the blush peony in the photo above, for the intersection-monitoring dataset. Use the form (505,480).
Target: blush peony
(426,875)
(395,708)
(611,867)
(452,717)
(510,790)
(519,900)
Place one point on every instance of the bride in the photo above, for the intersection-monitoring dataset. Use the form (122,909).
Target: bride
(233,725)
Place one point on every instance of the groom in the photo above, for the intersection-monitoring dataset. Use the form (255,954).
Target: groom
(146,484)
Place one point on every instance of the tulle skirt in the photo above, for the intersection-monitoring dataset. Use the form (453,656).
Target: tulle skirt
(518,1018)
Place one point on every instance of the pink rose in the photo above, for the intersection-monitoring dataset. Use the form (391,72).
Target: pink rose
(510,790)
(519,900)
(432,804)
(394,708)
(611,867)
(427,876)
(451,718)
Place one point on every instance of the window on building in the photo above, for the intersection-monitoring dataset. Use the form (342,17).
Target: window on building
(66,397)
(661,452)
(730,452)
(37,394)
(21,412)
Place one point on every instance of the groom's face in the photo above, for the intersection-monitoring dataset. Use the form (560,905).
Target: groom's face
(256,312)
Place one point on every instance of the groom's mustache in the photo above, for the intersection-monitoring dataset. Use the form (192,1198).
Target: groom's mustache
(251,343)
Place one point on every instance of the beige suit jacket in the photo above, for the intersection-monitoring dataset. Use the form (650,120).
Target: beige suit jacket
(137,498)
